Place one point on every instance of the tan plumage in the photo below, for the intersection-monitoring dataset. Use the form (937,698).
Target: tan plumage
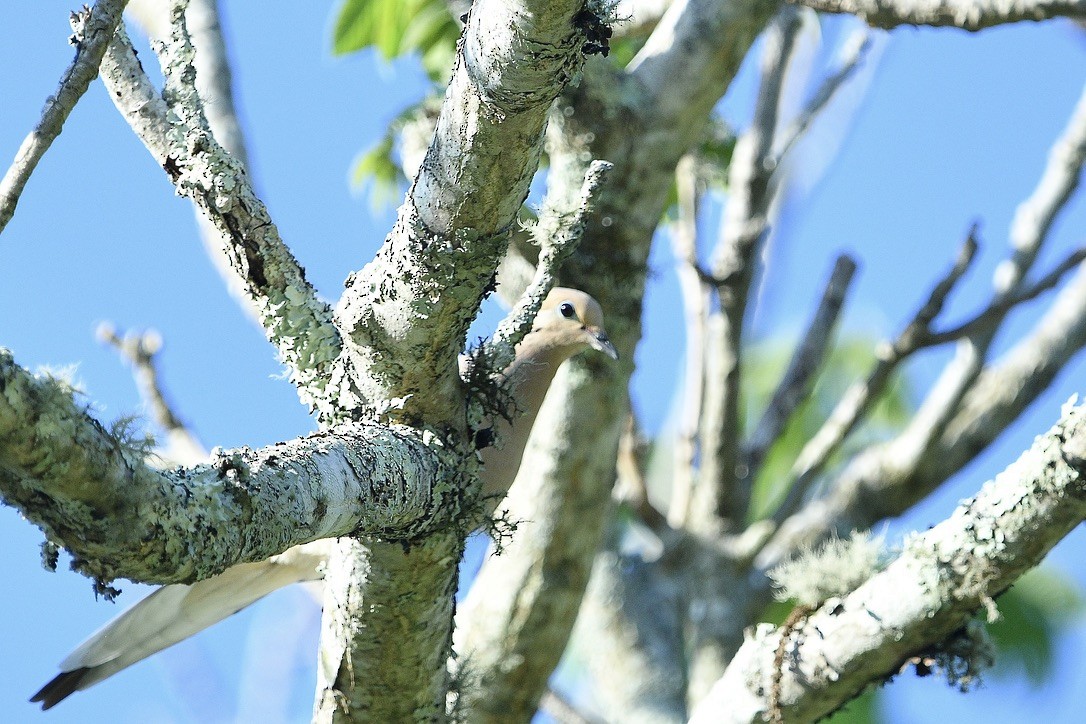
(569,322)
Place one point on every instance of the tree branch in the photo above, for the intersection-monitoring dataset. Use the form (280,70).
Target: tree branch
(630,630)
(140,351)
(90,492)
(453,227)
(386,636)
(671,88)
(988,320)
(695,299)
(858,399)
(964,14)
(94,29)
(721,494)
(940,580)
(856,49)
(807,360)
(512,627)
(295,320)
(969,406)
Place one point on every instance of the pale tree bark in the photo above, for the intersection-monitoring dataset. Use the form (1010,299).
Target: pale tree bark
(932,589)
(965,14)
(377,348)
(391,473)
(96,28)
(678,76)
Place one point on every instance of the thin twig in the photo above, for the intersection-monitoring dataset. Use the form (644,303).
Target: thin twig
(858,400)
(807,360)
(897,459)
(695,298)
(720,494)
(94,29)
(856,49)
(140,350)
(990,318)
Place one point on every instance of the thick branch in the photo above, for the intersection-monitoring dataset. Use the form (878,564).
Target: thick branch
(630,630)
(90,491)
(935,586)
(965,14)
(671,89)
(93,31)
(295,320)
(513,626)
(515,58)
(387,631)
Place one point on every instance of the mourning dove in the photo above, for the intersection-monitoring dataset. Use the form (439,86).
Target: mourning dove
(568,322)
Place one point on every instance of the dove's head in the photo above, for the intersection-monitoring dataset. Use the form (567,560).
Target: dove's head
(572,320)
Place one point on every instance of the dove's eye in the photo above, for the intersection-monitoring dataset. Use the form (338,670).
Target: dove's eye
(566,310)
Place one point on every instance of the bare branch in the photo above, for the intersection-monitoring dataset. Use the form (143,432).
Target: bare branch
(856,49)
(1034,217)
(964,14)
(630,630)
(989,319)
(140,350)
(119,517)
(365,674)
(564,488)
(513,625)
(214,79)
(453,229)
(295,320)
(720,493)
(941,579)
(807,360)
(968,406)
(858,399)
(94,29)
(695,297)
(1029,231)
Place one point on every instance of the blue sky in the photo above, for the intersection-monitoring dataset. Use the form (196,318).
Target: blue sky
(954,127)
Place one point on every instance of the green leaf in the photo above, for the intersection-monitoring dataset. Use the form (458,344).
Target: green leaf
(354,27)
(399,27)
(377,170)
